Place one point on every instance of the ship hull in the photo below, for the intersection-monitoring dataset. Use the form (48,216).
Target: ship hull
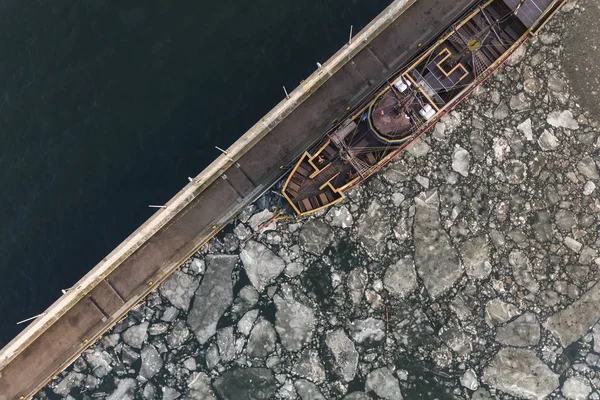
(412,101)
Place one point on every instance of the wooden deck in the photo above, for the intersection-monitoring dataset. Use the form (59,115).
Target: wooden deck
(310,185)
(530,11)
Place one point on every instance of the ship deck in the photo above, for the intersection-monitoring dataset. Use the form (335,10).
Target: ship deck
(530,11)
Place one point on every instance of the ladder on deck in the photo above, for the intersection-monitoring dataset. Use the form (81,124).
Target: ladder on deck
(359,165)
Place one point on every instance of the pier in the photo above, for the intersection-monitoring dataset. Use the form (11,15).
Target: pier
(213,198)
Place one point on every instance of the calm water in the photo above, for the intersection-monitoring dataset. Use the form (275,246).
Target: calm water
(107,108)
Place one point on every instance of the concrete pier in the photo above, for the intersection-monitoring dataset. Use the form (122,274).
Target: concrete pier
(193,216)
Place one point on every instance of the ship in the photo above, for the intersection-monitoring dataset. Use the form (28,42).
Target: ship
(412,100)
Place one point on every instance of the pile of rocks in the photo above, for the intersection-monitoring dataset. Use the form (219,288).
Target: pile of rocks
(467,269)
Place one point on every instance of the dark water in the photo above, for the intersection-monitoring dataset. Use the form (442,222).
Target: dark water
(106,108)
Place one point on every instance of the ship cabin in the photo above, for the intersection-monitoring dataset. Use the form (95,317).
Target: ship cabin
(412,100)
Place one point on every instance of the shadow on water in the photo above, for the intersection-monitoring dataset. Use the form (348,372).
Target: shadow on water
(108,107)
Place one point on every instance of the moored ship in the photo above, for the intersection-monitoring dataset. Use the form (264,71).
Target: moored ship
(413,100)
